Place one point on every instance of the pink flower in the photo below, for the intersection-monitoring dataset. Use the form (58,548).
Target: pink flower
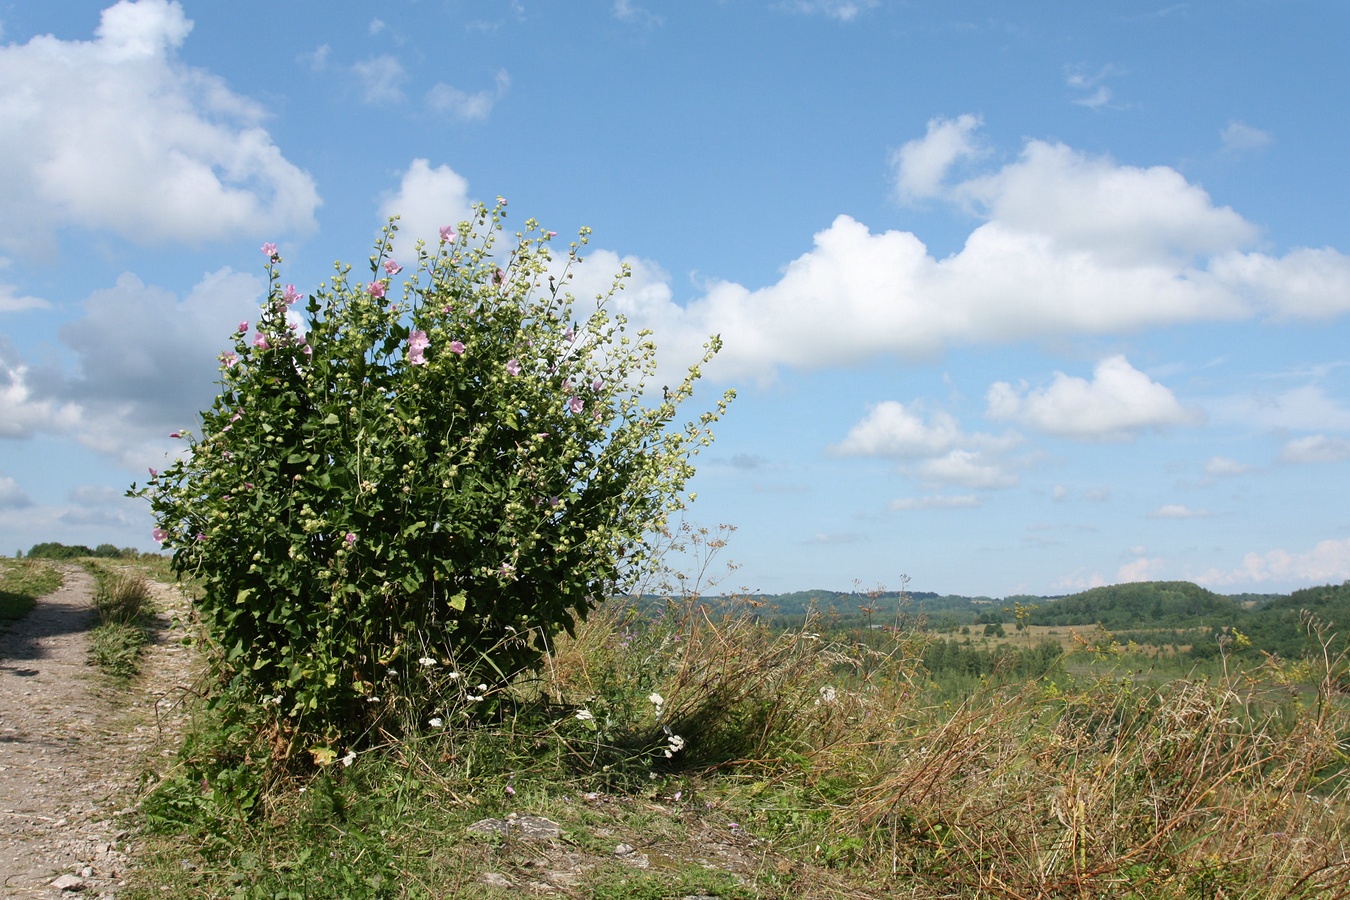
(417,343)
(309,351)
(376,289)
(553,234)
(569,335)
(243,326)
(200,537)
(597,384)
(290,295)
(447,233)
(229,359)
(269,250)
(501,201)
(510,791)
(457,347)
(498,277)
(261,342)
(513,367)
(350,539)
(575,405)
(159,535)
(392,267)
(175,434)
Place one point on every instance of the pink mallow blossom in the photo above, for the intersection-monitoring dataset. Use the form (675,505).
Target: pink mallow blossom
(376,289)
(392,267)
(447,233)
(417,344)
(261,342)
(290,295)
(229,359)
(350,539)
(160,535)
(576,405)
(243,326)
(513,367)
(457,347)
(269,250)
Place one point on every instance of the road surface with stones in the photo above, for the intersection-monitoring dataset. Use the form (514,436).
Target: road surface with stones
(73,745)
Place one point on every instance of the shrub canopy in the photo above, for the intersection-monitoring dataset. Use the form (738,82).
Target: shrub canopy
(412,486)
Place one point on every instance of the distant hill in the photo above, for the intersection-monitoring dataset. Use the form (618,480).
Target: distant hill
(1158,604)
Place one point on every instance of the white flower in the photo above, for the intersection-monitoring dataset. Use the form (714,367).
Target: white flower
(349,758)
(586,715)
(828,694)
(436,722)
(656,700)
(426,661)
(675,744)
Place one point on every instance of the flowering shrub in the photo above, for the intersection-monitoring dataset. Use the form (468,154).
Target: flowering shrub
(386,488)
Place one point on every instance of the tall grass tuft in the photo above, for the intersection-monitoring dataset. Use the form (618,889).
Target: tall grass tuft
(124,608)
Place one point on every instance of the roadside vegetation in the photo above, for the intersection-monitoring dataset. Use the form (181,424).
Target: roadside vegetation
(126,619)
(22,581)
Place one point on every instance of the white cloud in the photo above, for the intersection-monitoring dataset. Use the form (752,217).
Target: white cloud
(1238,136)
(843,10)
(12,301)
(627,11)
(116,133)
(1144,569)
(1328,562)
(23,412)
(891,430)
(144,365)
(1100,94)
(967,468)
(1222,466)
(426,199)
(446,98)
(1178,511)
(381,80)
(12,496)
(1119,401)
(939,501)
(1317,448)
(1072,244)
(1304,408)
(921,165)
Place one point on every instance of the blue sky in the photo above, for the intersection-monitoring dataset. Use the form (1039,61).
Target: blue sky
(1017,297)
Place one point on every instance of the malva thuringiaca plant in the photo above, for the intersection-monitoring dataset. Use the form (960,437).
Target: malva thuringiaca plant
(395,501)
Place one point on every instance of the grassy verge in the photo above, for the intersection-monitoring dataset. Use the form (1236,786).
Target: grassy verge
(125,620)
(697,754)
(22,581)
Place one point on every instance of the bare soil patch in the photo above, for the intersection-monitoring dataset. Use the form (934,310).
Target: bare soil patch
(73,744)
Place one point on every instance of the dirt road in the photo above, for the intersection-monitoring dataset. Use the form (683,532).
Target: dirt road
(73,746)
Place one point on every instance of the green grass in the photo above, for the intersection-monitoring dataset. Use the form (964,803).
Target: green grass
(22,581)
(126,618)
(811,769)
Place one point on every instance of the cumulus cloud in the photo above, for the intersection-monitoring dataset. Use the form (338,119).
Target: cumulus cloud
(12,301)
(921,165)
(381,79)
(1317,448)
(891,430)
(1239,136)
(966,468)
(1143,569)
(426,199)
(1118,401)
(116,133)
(12,496)
(1328,562)
(935,501)
(24,412)
(445,98)
(1222,466)
(1178,511)
(1071,244)
(144,364)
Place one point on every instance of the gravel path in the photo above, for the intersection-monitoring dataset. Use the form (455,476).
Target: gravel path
(73,746)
